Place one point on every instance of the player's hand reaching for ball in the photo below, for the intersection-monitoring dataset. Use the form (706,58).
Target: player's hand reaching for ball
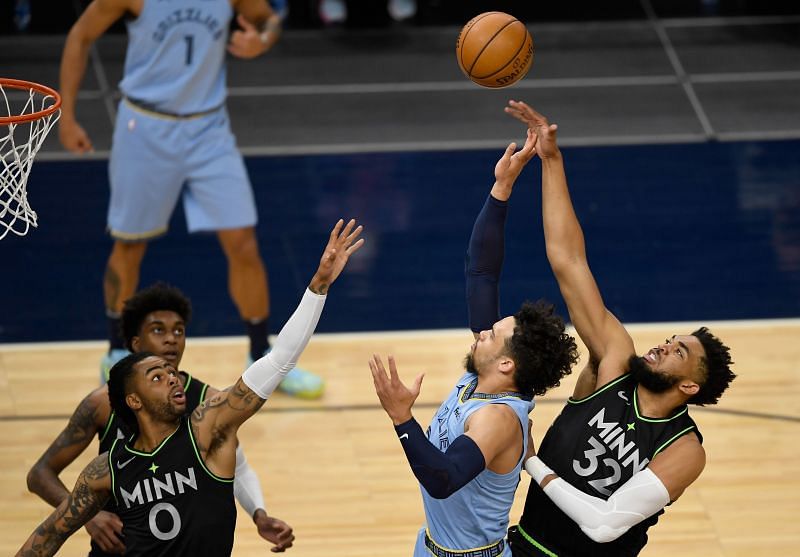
(546,146)
(508,168)
(342,243)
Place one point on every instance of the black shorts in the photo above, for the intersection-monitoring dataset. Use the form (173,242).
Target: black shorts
(520,547)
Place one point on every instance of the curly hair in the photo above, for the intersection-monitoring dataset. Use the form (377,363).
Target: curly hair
(715,366)
(541,349)
(158,297)
(119,381)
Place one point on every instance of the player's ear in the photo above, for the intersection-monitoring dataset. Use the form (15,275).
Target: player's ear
(135,344)
(507,365)
(689,387)
(133,401)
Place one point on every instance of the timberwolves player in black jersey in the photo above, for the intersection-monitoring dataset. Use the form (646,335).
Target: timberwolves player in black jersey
(153,320)
(172,481)
(624,446)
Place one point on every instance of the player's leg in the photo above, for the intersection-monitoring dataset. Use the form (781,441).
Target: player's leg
(146,176)
(247,283)
(219,198)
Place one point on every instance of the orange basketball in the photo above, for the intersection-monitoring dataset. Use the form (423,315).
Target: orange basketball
(494,49)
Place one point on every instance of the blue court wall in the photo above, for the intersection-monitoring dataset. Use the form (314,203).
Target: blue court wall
(674,233)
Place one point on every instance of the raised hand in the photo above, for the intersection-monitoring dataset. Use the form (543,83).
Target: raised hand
(395,397)
(508,168)
(546,146)
(341,245)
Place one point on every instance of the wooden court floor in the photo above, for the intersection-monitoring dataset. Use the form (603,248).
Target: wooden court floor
(334,470)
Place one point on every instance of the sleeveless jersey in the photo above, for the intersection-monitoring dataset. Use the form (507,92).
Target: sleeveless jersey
(169,502)
(477,514)
(116,429)
(175,60)
(596,444)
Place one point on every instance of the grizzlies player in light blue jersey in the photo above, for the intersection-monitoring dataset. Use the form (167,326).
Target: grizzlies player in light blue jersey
(172,140)
(469,461)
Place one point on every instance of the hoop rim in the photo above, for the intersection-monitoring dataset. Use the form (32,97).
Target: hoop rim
(43,89)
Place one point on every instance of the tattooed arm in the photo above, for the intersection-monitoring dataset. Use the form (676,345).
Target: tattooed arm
(91,492)
(87,419)
(215,421)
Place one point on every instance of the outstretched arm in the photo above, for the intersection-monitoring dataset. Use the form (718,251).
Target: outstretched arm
(608,342)
(485,253)
(91,492)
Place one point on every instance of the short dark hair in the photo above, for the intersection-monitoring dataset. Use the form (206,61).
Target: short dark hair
(715,367)
(158,297)
(541,349)
(119,380)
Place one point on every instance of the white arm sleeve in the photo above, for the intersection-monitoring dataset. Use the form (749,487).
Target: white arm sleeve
(246,487)
(603,521)
(266,373)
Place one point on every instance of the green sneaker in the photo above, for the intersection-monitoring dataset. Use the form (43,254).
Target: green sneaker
(300,383)
(107,362)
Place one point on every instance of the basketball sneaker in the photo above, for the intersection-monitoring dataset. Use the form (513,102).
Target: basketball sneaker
(107,362)
(299,382)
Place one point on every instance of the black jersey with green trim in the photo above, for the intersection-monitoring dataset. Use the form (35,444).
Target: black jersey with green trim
(169,502)
(596,444)
(116,429)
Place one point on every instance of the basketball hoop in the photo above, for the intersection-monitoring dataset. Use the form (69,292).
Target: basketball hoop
(37,108)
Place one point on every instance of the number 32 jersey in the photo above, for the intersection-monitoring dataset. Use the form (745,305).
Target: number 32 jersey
(175,60)
(170,504)
(596,444)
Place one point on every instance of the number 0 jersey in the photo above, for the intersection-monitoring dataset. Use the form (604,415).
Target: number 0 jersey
(116,429)
(596,444)
(170,504)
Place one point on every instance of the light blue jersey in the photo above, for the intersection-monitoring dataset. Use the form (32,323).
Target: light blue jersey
(176,55)
(476,515)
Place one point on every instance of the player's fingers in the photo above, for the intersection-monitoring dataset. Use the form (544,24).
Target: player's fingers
(244,24)
(510,150)
(353,235)
(393,369)
(417,387)
(347,230)
(355,247)
(335,232)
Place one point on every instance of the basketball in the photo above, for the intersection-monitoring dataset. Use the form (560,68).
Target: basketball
(494,49)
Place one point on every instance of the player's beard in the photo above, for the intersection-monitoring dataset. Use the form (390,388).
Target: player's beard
(163,411)
(652,380)
(469,363)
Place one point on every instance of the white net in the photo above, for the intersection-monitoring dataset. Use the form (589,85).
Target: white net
(19,143)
